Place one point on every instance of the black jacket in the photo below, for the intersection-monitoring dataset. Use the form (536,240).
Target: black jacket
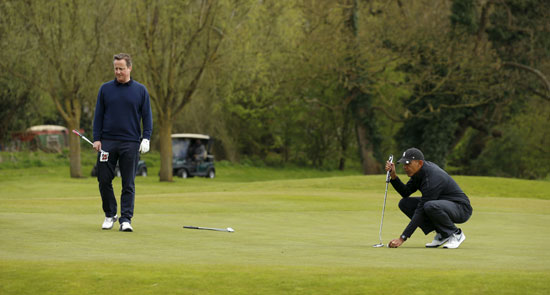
(434,184)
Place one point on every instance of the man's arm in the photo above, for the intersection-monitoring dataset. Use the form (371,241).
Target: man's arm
(147,117)
(415,220)
(405,190)
(98,116)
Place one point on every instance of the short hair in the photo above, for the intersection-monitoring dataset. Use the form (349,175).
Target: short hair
(123,56)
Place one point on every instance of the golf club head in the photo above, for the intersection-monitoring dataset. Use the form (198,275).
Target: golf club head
(230,230)
(378,245)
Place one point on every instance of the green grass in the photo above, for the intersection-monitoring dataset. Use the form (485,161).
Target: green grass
(297,232)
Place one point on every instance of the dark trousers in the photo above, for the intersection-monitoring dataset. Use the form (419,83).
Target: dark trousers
(439,215)
(126,154)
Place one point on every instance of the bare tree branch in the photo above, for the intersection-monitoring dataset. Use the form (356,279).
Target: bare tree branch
(538,73)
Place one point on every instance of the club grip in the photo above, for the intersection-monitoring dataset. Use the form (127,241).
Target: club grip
(388,178)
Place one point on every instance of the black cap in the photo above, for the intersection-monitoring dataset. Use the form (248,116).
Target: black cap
(411,154)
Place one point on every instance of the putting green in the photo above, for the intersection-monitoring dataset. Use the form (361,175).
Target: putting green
(292,236)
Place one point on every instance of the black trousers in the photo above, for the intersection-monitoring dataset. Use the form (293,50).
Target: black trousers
(126,153)
(439,215)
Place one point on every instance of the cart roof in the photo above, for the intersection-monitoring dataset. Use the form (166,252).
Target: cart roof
(190,135)
(47,128)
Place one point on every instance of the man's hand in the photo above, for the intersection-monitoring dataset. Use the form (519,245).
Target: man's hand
(97,145)
(396,243)
(144,147)
(391,167)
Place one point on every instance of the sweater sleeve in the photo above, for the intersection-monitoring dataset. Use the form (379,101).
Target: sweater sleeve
(147,116)
(405,190)
(98,116)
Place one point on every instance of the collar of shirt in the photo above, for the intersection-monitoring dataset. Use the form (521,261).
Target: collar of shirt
(129,83)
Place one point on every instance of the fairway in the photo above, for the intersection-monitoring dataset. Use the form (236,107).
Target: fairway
(311,235)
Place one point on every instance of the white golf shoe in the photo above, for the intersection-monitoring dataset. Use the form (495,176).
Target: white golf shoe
(126,226)
(438,241)
(455,240)
(109,221)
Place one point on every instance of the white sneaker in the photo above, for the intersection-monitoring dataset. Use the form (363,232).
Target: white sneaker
(126,226)
(438,241)
(455,240)
(109,221)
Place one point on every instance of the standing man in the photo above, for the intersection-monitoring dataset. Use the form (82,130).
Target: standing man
(442,204)
(122,106)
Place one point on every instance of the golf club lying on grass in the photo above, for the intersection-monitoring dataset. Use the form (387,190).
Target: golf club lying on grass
(384,207)
(104,154)
(229,230)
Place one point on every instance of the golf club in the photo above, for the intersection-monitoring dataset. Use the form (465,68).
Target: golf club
(104,155)
(84,137)
(384,206)
(229,230)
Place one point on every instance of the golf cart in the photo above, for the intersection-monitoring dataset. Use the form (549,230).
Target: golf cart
(191,155)
(140,171)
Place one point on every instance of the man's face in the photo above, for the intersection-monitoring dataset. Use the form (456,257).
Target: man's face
(413,167)
(122,72)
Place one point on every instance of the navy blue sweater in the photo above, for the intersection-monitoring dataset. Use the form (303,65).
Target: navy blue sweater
(435,184)
(120,110)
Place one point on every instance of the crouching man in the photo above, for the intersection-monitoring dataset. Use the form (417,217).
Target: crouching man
(441,205)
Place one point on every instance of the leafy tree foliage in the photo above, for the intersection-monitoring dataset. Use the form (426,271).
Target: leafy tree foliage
(461,88)
(309,82)
(65,36)
(178,40)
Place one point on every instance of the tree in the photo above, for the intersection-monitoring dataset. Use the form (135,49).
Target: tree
(518,33)
(177,42)
(15,96)
(66,35)
(460,92)
(447,86)
(14,100)
(355,77)
(256,71)
(331,65)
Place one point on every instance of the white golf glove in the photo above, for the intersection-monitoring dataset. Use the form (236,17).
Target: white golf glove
(144,147)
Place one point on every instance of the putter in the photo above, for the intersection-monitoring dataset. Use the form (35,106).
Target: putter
(104,155)
(384,206)
(229,230)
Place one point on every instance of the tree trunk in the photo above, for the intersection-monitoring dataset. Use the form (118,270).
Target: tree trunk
(165,139)
(368,162)
(344,140)
(74,150)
